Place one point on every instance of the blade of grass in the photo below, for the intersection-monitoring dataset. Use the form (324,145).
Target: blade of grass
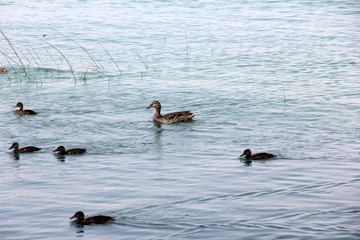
(49,55)
(141,60)
(24,68)
(112,60)
(94,60)
(71,68)
(31,48)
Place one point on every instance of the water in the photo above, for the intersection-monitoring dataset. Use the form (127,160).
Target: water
(234,63)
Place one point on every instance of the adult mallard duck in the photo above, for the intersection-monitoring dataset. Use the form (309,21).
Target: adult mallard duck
(24,112)
(80,219)
(256,156)
(170,117)
(61,150)
(15,145)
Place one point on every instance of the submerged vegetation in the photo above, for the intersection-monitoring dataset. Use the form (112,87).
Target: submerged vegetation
(38,58)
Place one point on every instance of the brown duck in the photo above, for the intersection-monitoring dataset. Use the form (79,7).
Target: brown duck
(15,145)
(61,150)
(257,156)
(170,117)
(80,219)
(3,69)
(22,111)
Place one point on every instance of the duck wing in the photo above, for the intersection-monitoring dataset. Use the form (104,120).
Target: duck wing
(75,151)
(179,116)
(28,149)
(27,112)
(263,155)
(97,219)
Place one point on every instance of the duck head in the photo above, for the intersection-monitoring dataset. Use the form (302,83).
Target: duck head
(19,105)
(60,149)
(78,215)
(14,145)
(154,104)
(246,153)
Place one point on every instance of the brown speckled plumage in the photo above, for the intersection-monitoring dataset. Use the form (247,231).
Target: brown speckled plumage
(170,117)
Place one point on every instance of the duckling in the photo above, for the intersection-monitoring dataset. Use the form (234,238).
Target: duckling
(3,69)
(24,112)
(61,150)
(257,156)
(15,145)
(80,219)
(170,117)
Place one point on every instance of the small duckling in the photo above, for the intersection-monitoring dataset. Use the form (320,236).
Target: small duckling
(24,112)
(170,117)
(80,219)
(15,145)
(3,69)
(257,156)
(61,150)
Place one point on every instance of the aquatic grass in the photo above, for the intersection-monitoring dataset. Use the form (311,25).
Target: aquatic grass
(186,41)
(141,59)
(69,64)
(28,57)
(50,55)
(32,50)
(24,68)
(112,60)
(91,57)
(7,59)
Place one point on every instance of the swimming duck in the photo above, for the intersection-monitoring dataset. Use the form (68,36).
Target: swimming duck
(15,145)
(257,156)
(61,150)
(80,219)
(170,117)
(24,112)
(3,69)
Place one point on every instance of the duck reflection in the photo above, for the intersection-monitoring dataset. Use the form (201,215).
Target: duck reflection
(15,156)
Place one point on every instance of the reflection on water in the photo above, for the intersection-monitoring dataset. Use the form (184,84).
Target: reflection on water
(15,156)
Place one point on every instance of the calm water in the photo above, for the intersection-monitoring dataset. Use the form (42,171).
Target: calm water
(275,76)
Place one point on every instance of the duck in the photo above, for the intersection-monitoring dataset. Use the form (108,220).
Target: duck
(256,156)
(15,145)
(3,69)
(100,219)
(170,117)
(22,111)
(61,150)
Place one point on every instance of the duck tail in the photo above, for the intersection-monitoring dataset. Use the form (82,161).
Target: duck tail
(193,114)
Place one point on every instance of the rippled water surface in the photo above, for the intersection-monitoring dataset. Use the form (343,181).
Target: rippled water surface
(275,76)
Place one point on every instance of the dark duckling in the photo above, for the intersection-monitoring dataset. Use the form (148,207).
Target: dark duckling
(257,156)
(170,117)
(61,150)
(80,219)
(15,145)
(22,111)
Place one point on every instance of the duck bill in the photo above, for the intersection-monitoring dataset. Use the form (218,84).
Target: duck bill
(149,107)
(56,150)
(242,155)
(11,147)
(73,217)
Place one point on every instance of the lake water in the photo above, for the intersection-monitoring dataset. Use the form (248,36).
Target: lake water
(275,76)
